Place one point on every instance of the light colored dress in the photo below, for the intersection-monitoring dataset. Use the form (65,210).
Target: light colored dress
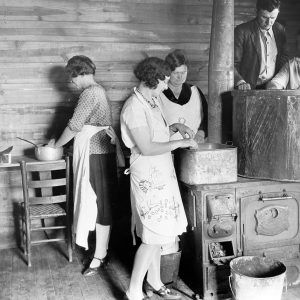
(157,211)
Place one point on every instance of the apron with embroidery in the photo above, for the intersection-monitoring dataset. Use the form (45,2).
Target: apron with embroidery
(155,195)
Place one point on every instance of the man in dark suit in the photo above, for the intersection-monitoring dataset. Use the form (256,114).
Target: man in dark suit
(259,47)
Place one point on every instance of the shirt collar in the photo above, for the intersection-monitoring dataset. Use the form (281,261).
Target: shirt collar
(264,32)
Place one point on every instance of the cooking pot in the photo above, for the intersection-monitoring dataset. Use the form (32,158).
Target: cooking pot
(210,163)
(44,152)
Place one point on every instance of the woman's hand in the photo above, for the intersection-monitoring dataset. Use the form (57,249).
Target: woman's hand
(244,86)
(184,130)
(51,143)
(115,141)
(200,137)
(111,133)
(189,143)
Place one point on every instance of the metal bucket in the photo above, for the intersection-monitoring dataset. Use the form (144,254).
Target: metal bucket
(210,163)
(256,278)
(169,267)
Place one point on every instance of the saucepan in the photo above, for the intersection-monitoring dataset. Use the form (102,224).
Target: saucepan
(44,152)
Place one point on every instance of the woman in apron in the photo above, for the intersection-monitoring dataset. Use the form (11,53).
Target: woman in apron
(94,160)
(182,102)
(158,215)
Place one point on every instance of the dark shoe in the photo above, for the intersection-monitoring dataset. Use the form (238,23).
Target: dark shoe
(163,292)
(93,271)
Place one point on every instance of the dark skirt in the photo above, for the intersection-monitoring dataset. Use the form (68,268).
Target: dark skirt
(103,179)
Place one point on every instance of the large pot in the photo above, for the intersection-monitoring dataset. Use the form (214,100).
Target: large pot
(210,163)
(46,153)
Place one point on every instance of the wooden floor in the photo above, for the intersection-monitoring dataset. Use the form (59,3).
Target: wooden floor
(53,277)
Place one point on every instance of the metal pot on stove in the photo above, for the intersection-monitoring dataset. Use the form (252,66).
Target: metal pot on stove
(209,163)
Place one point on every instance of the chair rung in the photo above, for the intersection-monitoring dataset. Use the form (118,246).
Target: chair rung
(47,183)
(48,166)
(47,199)
(46,241)
(47,228)
(46,216)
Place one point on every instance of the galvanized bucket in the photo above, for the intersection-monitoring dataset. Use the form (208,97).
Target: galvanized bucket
(256,278)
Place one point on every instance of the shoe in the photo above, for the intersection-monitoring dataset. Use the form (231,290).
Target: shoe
(163,292)
(93,271)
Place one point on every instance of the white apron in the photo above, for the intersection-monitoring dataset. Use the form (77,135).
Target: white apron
(189,114)
(85,206)
(155,197)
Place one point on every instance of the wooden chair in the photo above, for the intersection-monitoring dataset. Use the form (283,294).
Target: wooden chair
(46,197)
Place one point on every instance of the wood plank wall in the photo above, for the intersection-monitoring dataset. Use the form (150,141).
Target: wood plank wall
(39,36)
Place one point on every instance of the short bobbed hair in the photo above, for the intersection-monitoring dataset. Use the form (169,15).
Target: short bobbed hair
(80,65)
(150,70)
(268,5)
(176,59)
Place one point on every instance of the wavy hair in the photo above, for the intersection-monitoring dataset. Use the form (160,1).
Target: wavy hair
(80,65)
(150,70)
(268,5)
(176,59)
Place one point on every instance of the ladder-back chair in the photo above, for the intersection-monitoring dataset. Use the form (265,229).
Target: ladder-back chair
(46,197)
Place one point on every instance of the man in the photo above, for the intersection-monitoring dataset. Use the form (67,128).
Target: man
(259,47)
(289,75)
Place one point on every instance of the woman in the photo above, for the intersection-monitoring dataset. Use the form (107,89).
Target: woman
(182,102)
(94,161)
(157,211)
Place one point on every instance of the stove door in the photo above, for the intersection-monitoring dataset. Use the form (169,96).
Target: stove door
(269,220)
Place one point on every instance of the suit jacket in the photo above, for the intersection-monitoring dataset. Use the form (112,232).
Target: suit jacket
(247,51)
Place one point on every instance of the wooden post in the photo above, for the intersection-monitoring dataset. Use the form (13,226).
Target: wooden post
(220,72)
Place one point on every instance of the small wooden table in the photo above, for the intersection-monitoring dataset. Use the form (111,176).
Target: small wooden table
(15,161)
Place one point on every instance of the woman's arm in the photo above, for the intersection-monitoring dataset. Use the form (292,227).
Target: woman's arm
(143,141)
(185,131)
(82,112)
(65,137)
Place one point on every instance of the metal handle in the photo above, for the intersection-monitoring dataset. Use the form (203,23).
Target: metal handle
(194,212)
(27,141)
(261,198)
(285,283)
(229,279)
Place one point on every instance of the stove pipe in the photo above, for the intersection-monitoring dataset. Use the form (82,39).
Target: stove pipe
(221,64)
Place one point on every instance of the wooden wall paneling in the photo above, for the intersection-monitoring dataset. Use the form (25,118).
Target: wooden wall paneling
(10,195)
(50,75)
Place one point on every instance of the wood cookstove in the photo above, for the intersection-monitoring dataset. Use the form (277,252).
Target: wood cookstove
(247,217)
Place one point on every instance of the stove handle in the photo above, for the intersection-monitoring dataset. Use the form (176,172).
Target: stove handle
(284,197)
(194,213)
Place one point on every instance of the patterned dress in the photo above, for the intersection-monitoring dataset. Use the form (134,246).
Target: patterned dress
(93,109)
